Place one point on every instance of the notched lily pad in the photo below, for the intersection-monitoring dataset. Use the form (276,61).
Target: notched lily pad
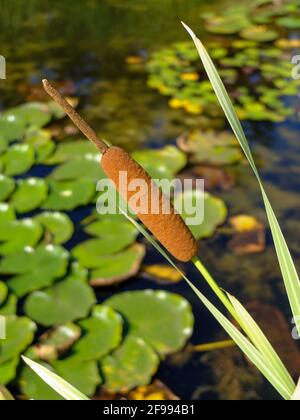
(8,371)
(15,235)
(87,167)
(101,333)
(30,194)
(71,150)
(162,163)
(33,269)
(58,225)
(7,186)
(131,365)
(83,375)
(70,195)
(259,33)
(19,335)
(211,147)
(173,311)
(68,300)
(18,159)
(116,268)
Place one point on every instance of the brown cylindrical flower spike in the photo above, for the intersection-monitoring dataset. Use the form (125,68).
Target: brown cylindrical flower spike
(168,228)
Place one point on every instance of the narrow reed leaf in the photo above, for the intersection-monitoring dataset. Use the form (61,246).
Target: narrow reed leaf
(262,344)
(5,395)
(67,391)
(242,342)
(296,395)
(287,266)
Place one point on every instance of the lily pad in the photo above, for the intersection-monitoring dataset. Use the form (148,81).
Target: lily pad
(226,25)
(34,269)
(86,167)
(19,335)
(71,150)
(34,114)
(15,235)
(70,195)
(41,141)
(8,370)
(18,159)
(9,307)
(66,301)
(89,252)
(290,22)
(211,147)
(7,213)
(83,375)
(35,388)
(131,365)
(162,163)
(118,267)
(113,227)
(101,333)
(30,194)
(58,225)
(214,212)
(11,129)
(3,292)
(7,186)
(173,311)
(259,33)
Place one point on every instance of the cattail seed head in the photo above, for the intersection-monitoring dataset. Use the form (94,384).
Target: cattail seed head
(169,229)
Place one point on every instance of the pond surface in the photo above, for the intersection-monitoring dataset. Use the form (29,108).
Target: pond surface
(89,42)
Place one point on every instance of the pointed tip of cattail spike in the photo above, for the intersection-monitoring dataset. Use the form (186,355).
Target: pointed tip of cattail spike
(193,36)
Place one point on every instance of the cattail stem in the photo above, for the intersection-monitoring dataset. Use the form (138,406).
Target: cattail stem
(80,123)
(219,345)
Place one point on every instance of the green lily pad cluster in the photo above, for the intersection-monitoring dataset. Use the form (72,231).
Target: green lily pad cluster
(48,266)
(117,345)
(249,46)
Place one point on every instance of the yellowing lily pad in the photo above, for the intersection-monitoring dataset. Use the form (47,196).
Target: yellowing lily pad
(102,333)
(214,212)
(131,365)
(259,33)
(33,269)
(66,301)
(70,195)
(30,194)
(174,313)
(58,225)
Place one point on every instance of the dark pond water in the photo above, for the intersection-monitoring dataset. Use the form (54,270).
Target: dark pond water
(87,41)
